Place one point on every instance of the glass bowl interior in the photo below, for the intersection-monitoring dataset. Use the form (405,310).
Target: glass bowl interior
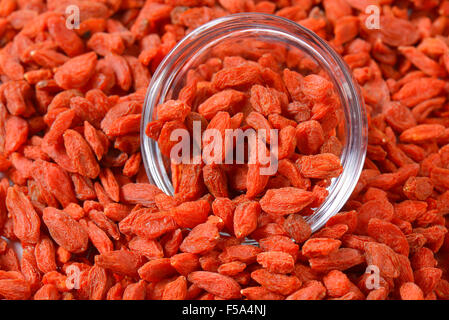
(250,36)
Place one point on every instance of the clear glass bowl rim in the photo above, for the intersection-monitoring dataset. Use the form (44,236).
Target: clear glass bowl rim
(354,152)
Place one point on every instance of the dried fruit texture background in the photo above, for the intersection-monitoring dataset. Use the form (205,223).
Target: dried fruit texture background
(91,226)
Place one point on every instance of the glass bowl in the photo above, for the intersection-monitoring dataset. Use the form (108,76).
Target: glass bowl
(269,31)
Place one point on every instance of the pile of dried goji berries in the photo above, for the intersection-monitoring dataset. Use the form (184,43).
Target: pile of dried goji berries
(77,198)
